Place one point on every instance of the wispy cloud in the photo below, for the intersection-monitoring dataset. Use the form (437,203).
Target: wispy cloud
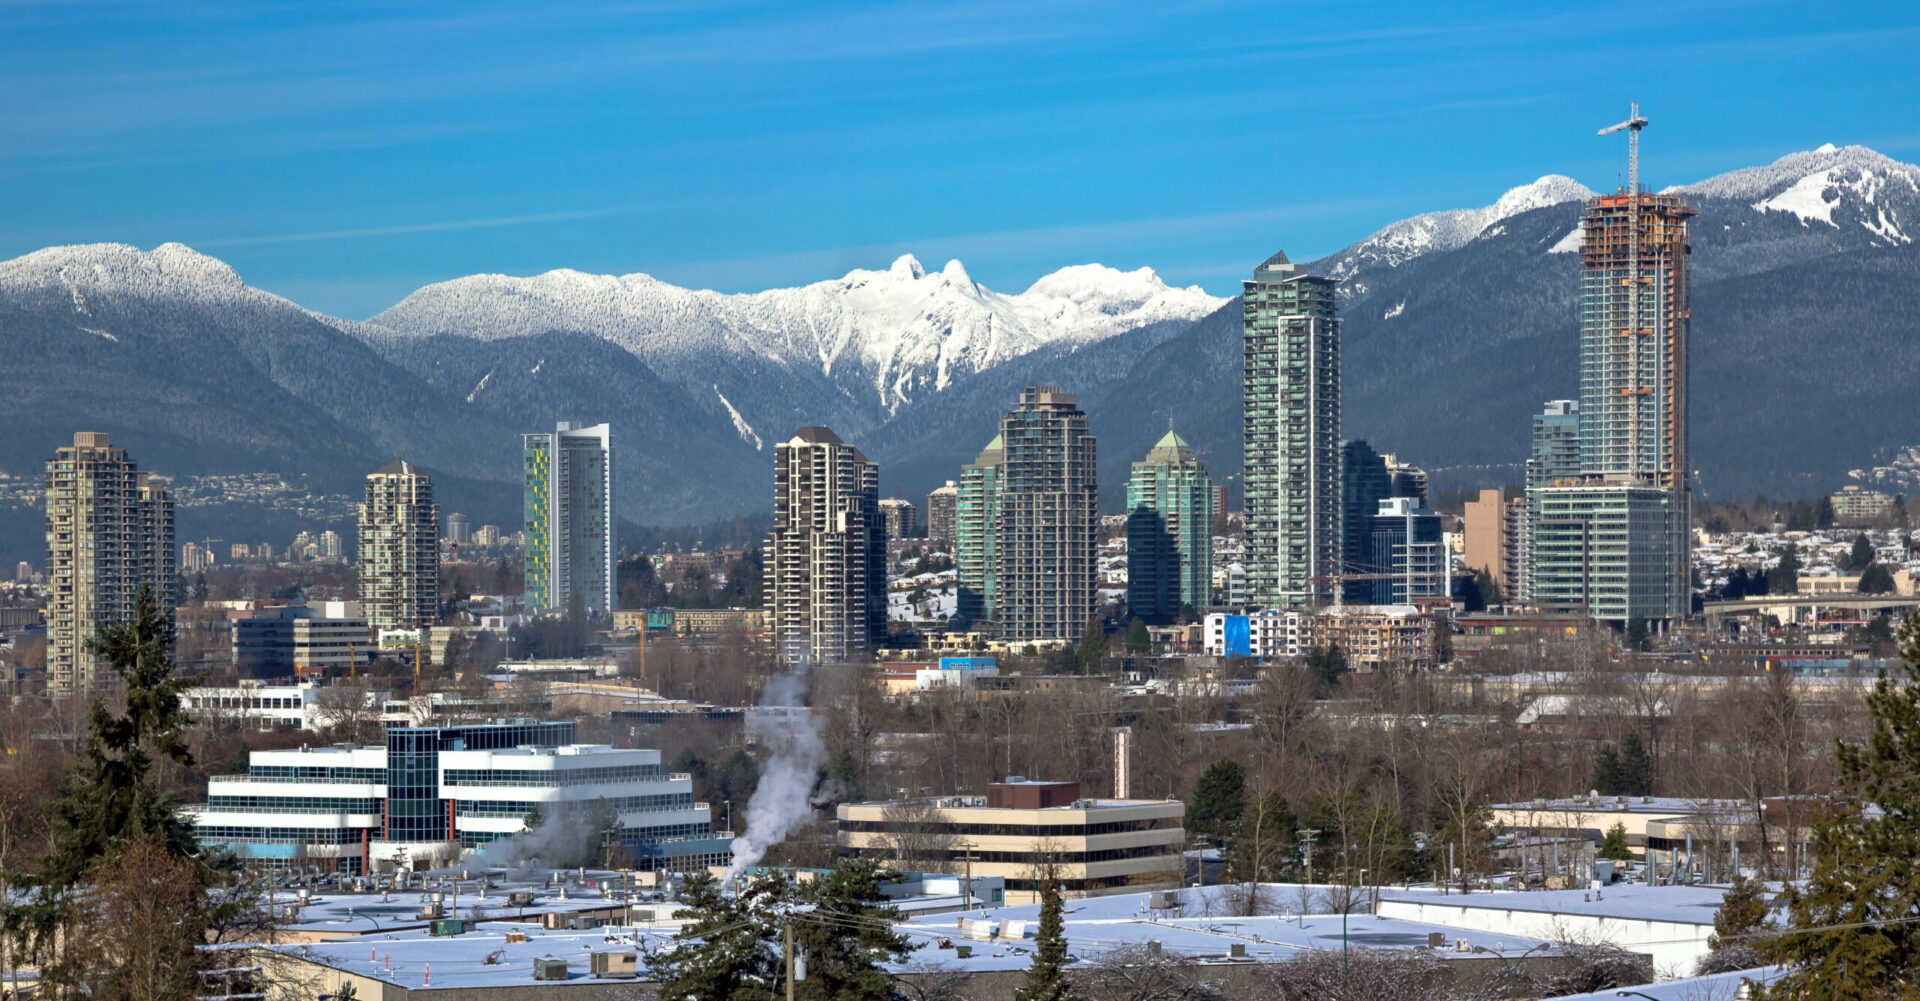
(425,227)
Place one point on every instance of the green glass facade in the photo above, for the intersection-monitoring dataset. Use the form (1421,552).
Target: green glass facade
(976,519)
(1291,401)
(1169,532)
(1603,549)
(568,516)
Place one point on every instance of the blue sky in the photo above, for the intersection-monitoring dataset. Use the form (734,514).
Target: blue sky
(343,152)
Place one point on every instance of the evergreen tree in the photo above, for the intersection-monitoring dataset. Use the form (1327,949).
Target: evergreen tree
(1637,636)
(848,934)
(1606,771)
(1093,646)
(1138,639)
(730,947)
(1876,579)
(1047,978)
(1624,770)
(1328,664)
(1823,514)
(1784,578)
(110,795)
(1261,842)
(1614,845)
(1218,801)
(1860,556)
(1853,928)
(1743,912)
(1636,768)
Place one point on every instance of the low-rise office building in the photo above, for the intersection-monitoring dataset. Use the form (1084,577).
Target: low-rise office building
(265,707)
(1020,829)
(433,793)
(287,641)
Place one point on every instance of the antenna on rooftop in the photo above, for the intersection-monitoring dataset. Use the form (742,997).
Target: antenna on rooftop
(1632,125)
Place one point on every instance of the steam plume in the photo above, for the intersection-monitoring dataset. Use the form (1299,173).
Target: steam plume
(782,799)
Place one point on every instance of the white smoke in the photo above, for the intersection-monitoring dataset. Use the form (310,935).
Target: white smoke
(782,800)
(566,836)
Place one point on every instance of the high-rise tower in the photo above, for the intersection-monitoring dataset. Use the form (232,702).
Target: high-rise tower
(827,596)
(1169,532)
(1049,519)
(399,559)
(976,544)
(568,509)
(1291,398)
(941,503)
(1616,543)
(109,533)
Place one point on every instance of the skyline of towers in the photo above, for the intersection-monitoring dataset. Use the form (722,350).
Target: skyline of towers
(1291,427)
(109,533)
(567,508)
(1170,517)
(826,554)
(1049,519)
(399,549)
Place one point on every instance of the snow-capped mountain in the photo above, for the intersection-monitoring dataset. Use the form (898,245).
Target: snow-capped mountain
(1438,231)
(1835,186)
(889,335)
(1457,325)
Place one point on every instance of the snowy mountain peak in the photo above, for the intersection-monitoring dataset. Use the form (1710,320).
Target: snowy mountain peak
(907,266)
(1551,189)
(170,267)
(901,331)
(1770,180)
(1830,186)
(1454,228)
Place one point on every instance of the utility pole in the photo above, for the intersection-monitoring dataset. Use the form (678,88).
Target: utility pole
(789,957)
(969,846)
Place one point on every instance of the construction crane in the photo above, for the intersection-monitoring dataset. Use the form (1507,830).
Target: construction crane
(1634,391)
(1632,127)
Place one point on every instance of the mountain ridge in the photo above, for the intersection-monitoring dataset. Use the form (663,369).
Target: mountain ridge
(1458,323)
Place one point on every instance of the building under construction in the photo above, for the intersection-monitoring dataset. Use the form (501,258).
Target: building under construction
(1613,540)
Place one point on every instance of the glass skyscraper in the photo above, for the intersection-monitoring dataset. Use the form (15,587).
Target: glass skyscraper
(976,521)
(1291,400)
(568,513)
(1169,532)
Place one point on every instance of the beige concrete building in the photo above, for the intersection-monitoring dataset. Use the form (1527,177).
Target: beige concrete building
(1854,505)
(1491,539)
(399,558)
(1098,846)
(109,533)
(1378,636)
(826,555)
